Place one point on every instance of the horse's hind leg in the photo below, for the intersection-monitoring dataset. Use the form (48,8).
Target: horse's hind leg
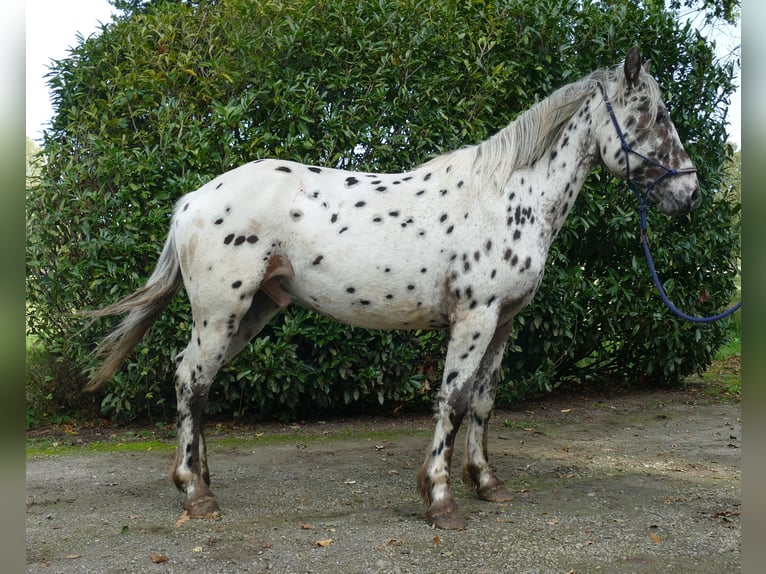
(196,368)
(217,337)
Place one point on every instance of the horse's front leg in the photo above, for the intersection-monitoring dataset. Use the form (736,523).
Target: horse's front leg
(468,343)
(477,472)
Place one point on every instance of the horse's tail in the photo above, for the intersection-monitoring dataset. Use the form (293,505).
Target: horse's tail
(143,307)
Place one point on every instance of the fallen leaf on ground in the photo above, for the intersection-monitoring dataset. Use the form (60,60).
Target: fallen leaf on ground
(73,556)
(566,410)
(157,558)
(306,526)
(197,549)
(655,537)
(324,543)
(437,540)
(725,514)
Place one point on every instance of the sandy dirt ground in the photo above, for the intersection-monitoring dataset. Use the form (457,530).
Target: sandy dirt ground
(632,482)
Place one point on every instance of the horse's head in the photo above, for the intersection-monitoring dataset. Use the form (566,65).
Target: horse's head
(638,141)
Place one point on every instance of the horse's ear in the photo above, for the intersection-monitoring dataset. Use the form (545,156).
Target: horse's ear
(632,66)
(647,66)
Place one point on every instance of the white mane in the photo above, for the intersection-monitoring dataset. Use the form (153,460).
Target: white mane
(527,138)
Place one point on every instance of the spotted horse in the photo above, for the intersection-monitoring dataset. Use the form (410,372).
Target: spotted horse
(459,242)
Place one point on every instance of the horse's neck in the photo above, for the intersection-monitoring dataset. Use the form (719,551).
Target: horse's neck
(554,181)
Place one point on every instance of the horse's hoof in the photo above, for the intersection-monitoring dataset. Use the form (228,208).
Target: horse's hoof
(445,515)
(494,493)
(203,507)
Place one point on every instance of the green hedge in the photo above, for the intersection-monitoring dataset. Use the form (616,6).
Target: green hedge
(166,98)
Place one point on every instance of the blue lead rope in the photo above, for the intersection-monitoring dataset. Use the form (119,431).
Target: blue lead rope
(645,243)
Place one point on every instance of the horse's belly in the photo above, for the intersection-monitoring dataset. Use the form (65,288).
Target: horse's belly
(373,308)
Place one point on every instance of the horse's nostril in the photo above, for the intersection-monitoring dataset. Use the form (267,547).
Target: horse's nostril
(696,195)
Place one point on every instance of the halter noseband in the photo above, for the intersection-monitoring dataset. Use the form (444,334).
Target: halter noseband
(666,171)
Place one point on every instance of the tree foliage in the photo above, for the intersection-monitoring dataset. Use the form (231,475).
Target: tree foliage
(172,94)
(712,10)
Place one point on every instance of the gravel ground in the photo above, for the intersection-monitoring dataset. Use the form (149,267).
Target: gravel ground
(644,482)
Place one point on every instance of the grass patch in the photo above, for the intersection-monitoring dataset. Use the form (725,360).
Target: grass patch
(519,425)
(53,446)
(68,442)
(723,380)
(732,347)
